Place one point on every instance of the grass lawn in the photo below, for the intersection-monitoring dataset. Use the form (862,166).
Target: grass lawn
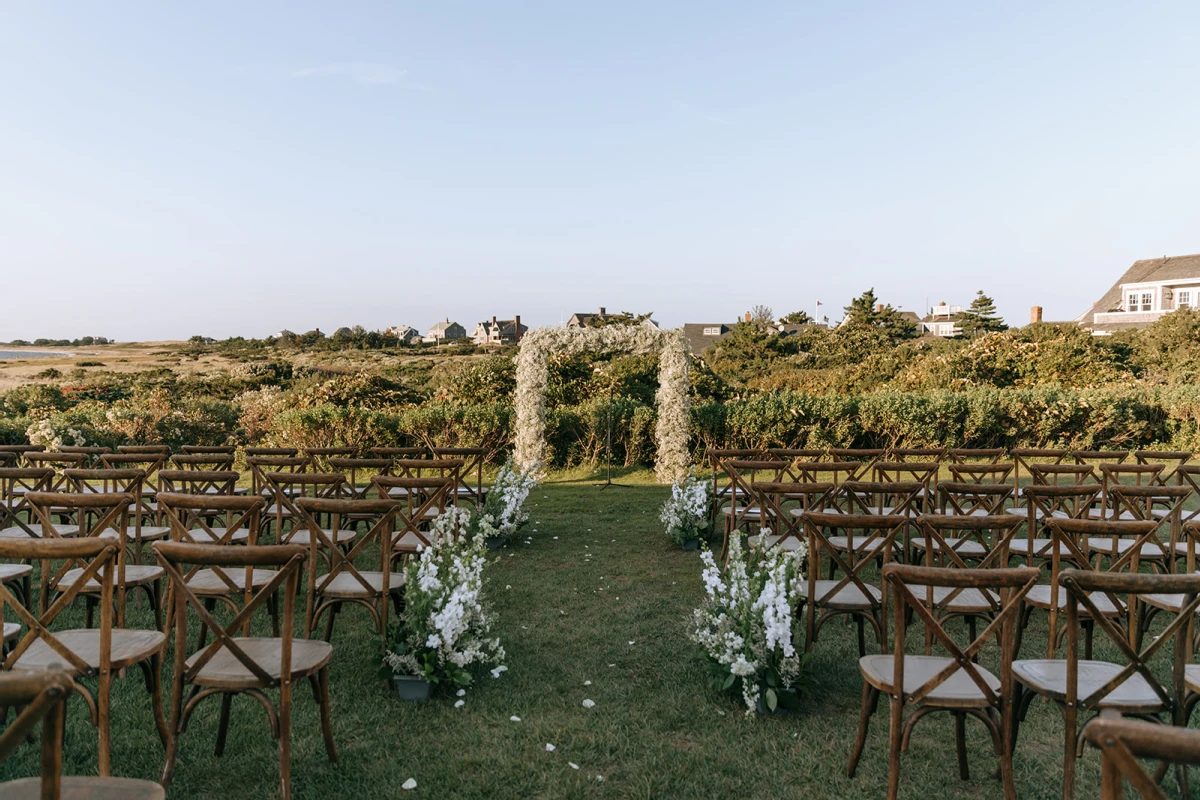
(599,595)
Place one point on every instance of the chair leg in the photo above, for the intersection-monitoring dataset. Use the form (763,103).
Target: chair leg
(862,636)
(960,742)
(223,726)
(104,720)
(152,670)
(320,687)
(870,701)
(895,735)
(333,611)
(285,739)
(1071,739)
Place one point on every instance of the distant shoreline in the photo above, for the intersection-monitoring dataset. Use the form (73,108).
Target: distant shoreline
(7,355)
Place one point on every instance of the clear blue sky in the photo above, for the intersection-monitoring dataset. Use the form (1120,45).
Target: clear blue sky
(222,168)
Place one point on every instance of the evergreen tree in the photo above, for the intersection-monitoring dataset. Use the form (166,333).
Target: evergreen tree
(866,310)
(981,317)
(795,318)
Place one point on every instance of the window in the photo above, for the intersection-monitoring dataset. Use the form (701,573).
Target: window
(1132,303)
(1147,301)
(1183,298)
(712,331)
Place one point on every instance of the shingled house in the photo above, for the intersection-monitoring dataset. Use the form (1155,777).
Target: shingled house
(445,332)
(499,331)
(1147,291)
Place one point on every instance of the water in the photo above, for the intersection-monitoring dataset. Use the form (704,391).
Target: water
(10,354)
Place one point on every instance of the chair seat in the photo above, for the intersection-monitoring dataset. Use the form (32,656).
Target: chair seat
(848,598)
(1038,513)
(963,547)
(1149,550)
(208,581)
(1129,516)
(958,690)
(13,572)
(1039,597)
(790,543)
(84,788)
(879,511)
(304,536)
(201,536)
(344,584)
(129,647)
(1191,677)
(135,575)
(225,671)
(967,601)
(741,511)
(1049,677)
(148,532)
(1042,548)
(407,542)
(11,629)
(974,512)
(63,529)
(860,543)
(1167,602)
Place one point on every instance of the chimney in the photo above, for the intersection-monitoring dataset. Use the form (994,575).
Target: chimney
(747,316)
(879,308)
(493,320)
(602,311)
(1035,315)
(517,328)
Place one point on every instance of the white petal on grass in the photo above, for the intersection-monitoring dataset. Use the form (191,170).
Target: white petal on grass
(459,703)
(461,693)
(549,748)
(587,683)
(514,718)
(572,765)
(409,784)
(589,703)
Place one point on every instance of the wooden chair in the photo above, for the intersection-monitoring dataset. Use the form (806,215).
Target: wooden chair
(972,499)
(430,467)
(16,483)
(283,489)
(975,455)
(716,459)
(1162,504)
(261,465)
(400,452)
(782,505)
(319,456)
(851,595)
(235,662)
(919,454)
(195,481)
(359,471)
(1062,474)
(209,449)
(956,683)
(91,453)
(120,481)
(57,462)
(149,463)
(207,462)
(738,508)
(20,450)
(1097,458)
(1114,475)
(271,452)
(85,653)
(145,449)
(1025,457)
(423,500)
(922,472)
(1043,503)
(473,459)
(1122,741)
(835,472)
(43,696)
(1081,686)
(1171,460)
(978,465)
(865,456)
(346,581)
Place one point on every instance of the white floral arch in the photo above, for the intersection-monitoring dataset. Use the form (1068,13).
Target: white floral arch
(671,431)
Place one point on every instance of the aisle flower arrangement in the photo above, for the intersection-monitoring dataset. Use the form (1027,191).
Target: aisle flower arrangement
(445,630)
(685,515)
(747,627)
(503,511)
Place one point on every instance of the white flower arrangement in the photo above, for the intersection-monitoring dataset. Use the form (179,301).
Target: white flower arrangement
(686,515)
(746,624)
(672,430)
(44,433)
(446,625)
(503,511)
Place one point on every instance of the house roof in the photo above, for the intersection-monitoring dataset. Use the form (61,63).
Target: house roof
(445,325)
(699,341)
(1168,268)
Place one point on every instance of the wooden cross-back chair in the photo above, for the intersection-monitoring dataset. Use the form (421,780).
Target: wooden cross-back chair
(974,472)
(796,453)
(865,456)
(423,500)
(716,457)
(955,683)
(85,653)
(96,516)
(195,481)
(1043,503)
(271,452)
(91,453)
(15,484)
(145,449)
(120,481)
(1170,459)
(835,472)
(283,489)
(1084,686)
(235,663)
(1123,741)
(149,463)
(1025,457)
(923,472)
(57,462)
(1189,475)
(874,498)
(973,499)
(8,459)
(976,455)
(261,465)
(359,471)
(209,449)
(738,508)
(927,454)
(949,541)
(400,452)
(205,462)
(872,536)
(43,698)
(1146,503)
(429,467)
(347,580)
(782,504)
(473,459)
(1112,475)
(1062,474)
(20,450)
(1096,458)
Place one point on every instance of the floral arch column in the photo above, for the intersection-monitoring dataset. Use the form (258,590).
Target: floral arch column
(671,432)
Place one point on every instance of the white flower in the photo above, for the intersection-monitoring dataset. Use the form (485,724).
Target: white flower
(461,693)
(549,748)
(589,703)
(496,672)
(587,683)
(572,765)
(459,703)
(514,719)
(409,784)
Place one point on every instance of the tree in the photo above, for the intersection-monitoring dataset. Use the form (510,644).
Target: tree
(624,318)
(981,317)
(762,316)
(795,318)
(867,310)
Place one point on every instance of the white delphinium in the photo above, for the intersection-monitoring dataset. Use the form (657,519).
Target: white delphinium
(503,512)
(685,515)
(746,624)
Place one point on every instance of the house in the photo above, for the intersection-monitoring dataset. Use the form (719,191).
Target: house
(942,320)
(1146,292)
(503,331)
(701,336)
(445,332)
(583,319)
(405,333)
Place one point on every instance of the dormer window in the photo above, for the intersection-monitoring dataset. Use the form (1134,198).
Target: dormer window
(1183,298)
(712,331)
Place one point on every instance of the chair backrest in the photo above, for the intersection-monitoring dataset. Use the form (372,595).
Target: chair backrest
(400,452)
(21,450)
(57,462)
(1084,586)
(473,459)
(1123,741)
(16,483)
(866,456)
(97,559)
(835,472)
(209,449)
(972,472)
(1189,475)
(891,498)
(358,472)
(1062,474)
(1025,457)
(110,481)
(913,588)
(781,503)
(795,454)
(716,459)
(1171,460)
(741,476)
(42,697)
(934,454)
(271,452)
(207,462)
(922,472)
(949,536)
(320,456)
(284,488)
(1149,503)
(976,455)
(94,513)
(287,561)
(1095,458)
(422,497)
(91,453)
(190,514)
(260,465)
(145,449)
(149,463)
(196,481)
(877,539)
(974,498)
(8,459)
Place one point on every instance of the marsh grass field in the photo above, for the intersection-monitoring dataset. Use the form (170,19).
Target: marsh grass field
(597,595)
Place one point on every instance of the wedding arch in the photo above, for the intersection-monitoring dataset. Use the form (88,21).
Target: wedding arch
(671,431)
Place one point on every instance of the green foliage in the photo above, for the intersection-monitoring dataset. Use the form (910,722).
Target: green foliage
(795,318)
(981,317)
(864,310)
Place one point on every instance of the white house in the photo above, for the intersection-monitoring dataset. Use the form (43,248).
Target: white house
(499,331)
(942,320)
(1145,293)
(405,333)
(445,332)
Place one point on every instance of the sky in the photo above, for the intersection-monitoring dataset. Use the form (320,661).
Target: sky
(170,169)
